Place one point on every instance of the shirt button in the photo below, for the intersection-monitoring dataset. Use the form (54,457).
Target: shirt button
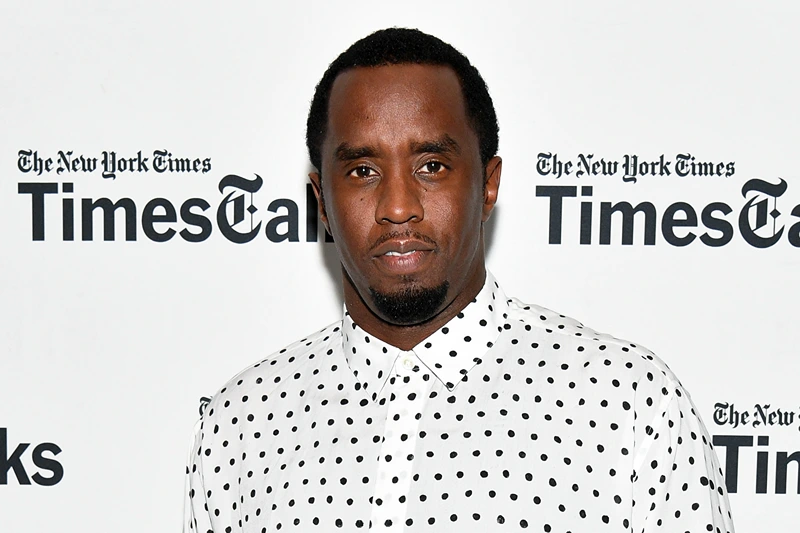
(408,363)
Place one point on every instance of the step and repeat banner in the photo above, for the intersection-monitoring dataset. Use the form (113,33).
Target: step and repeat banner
(158,232)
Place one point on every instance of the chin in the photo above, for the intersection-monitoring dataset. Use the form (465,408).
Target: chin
(411,304)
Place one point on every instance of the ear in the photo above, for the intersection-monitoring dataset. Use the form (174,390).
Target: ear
(491,186)
(316,184)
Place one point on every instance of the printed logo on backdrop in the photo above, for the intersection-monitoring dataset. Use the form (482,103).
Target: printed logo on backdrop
(37,465)
(750,453)
(755,218)
(62,191)
(63,186)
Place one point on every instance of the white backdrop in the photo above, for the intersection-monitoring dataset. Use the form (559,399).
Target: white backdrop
(106,346)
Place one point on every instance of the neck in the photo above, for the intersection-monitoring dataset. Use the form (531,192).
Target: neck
(406,337)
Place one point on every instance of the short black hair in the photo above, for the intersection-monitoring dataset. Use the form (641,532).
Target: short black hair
(395,46)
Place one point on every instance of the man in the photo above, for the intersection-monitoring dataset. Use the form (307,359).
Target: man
(437,403)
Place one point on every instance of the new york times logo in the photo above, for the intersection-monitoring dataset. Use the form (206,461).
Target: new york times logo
(759,222)
(110,163)
(738,449)
(238,215)
(18,462)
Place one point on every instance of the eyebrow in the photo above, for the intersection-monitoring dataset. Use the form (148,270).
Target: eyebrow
(443,145)
(345,152)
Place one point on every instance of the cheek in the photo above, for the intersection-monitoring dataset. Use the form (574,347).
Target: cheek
(350,220)
(459,216)
(352,211)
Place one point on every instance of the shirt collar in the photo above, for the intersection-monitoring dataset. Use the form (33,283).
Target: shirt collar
(449,353)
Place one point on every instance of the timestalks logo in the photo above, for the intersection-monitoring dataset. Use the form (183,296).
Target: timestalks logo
(734,444)
(162,220)
(757,219)
(15,463)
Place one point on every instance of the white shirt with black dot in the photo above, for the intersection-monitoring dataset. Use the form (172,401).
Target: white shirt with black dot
(510,417)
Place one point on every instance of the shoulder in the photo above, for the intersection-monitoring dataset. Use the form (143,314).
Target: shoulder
(271,373)
(573,340)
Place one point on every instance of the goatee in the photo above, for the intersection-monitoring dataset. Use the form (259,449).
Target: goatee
(412,305)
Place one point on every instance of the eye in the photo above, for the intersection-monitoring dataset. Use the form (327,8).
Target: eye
(362,172)
(432,167)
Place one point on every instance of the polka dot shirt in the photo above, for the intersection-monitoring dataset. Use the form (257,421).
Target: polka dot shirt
(511,417)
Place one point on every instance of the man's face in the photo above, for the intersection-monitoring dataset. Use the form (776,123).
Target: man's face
(403,189)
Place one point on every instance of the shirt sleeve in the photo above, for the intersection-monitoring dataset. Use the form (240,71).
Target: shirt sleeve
(677,481)
(195,510)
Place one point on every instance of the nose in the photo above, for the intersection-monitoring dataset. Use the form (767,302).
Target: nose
(399,200)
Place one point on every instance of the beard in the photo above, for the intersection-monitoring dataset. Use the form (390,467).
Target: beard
(412,305)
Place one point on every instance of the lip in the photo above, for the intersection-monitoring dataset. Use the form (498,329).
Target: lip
(402,256)
(401,246)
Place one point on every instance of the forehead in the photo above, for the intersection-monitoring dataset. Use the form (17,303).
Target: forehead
(394,103)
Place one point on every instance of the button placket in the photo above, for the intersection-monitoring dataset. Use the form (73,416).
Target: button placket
(396,460)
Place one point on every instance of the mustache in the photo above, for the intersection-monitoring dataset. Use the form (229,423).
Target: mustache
(403,235)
